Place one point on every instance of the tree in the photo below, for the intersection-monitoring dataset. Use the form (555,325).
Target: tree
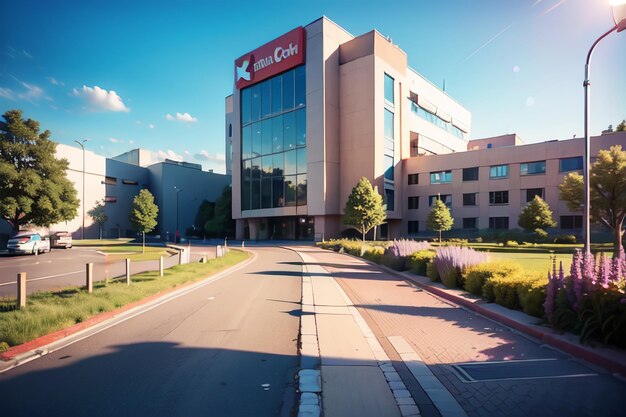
(608,192)
(536,215)
(608,130)
(221,224)
(621,127)
(439,218)
(34,188)
(364,208)
(144,214)
(98,215)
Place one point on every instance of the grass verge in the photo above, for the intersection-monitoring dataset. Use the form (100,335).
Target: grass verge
(101,242)
(134,253)
(47,312)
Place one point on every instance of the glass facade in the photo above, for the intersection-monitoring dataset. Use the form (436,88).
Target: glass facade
(437,121)
(570,164)
(390,143)
(273,142)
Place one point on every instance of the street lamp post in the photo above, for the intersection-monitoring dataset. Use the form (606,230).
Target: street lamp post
(619,15)
(178,191)
(82,229)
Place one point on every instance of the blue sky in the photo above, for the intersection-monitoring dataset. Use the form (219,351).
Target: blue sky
(154,74)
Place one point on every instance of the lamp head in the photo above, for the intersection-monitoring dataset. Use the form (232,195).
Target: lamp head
(619,13)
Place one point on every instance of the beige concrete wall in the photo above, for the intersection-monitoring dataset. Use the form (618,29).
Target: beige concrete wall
(551,152)
(495,142)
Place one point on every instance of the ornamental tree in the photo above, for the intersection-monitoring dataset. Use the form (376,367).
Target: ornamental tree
(98,215)
(536,215)
(34,188)
(144,214)
(364,208)
(439,218)
(608,192)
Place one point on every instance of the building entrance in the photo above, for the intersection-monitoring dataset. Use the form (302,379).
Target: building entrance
(291,228)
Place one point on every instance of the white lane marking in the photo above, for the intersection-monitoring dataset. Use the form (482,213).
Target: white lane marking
(127,315)
(40,278)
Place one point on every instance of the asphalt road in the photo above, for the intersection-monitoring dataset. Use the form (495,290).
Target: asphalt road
(207,353)
(66,267)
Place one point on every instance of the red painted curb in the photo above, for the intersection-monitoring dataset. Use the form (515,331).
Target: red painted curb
(68,331)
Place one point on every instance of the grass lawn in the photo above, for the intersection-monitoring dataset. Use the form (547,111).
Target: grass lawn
(133,252)
(47,312)
(541,262)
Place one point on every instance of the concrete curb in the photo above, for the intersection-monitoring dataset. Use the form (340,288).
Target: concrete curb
(545,335)
(36,347)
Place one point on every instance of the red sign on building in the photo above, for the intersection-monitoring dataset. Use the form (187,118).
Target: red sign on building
(270,59)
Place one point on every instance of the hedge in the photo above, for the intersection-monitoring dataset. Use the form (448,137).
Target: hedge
(419,260)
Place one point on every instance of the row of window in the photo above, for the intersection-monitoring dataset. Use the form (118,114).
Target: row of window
(274,96)
(274,192)
(278,164)
(277,134)
(390,143)
(471,223)
(470,199)
(113,181)
(437,121)
(500,171)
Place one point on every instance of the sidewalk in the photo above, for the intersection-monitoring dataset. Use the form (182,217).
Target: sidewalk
(430,341)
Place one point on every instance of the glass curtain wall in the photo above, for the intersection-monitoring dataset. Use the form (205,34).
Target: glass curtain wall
(389,188)
(273,142)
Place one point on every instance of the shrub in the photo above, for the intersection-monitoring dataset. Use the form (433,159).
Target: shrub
(394,262)
(541,235)
(452,260)
(507,290)
(374,254)
(511,243)
(476,276)
(419,260)
(532,294)
(406,247)
(565,239)
(431,271)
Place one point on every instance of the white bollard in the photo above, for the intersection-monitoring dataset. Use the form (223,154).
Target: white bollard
(89,277)
(21,290)
(161,266)
(127,271)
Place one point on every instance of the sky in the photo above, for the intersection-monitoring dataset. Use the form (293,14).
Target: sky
(154,74)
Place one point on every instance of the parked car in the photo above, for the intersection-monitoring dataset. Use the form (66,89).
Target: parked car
(61,240)
(28,242)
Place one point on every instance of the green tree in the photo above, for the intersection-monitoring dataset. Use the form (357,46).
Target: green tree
(206,212)
(608,192)
(222,223)
(621,127)
(144,214)
(98,215)
(439,218)
(536,215)
(34,188)
(364,208)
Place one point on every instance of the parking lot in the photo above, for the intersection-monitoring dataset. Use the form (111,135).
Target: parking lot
(64,267)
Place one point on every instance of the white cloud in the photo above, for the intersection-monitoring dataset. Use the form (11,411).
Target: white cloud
(100,99)
(205,156)
(131,141)
(530,101)
(170,154)
(6,93)
(516,69)
(138,122)
(114,140)
(151,126)
(182,117)
(26,54)
(54,81)
(186,152)
(32,92)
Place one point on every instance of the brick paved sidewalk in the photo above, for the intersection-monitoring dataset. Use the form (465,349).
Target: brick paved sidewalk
(444,334)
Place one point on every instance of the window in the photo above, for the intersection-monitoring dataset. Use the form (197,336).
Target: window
(300,78)
(301,190)
(446,198)
(110,199)
(389,124)
(130,182)
(470,223)
(389,90)
(499,171)
(414,203)
(532,192)
(388,167)
(414,226)
(413,179)
(531,168)
(498,222)
(288,90)
(470,174)
(230,130)
(441,177)
(469,199)
(570,164)
(498,197)
(110,181)
(571,222)
(437,121)
(389,197)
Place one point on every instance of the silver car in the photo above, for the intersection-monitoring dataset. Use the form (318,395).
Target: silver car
(28,242)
